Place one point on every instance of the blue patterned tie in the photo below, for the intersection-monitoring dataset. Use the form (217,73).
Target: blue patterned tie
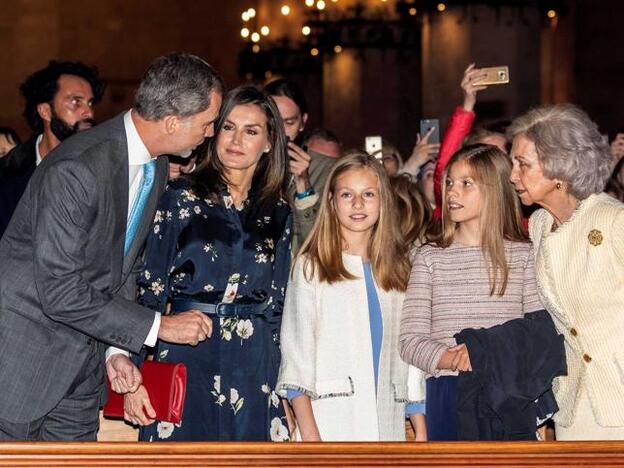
(139,204)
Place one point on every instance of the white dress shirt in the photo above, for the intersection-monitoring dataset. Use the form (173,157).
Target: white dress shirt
(138,155)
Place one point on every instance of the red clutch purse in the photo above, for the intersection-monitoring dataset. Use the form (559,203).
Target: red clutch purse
(166,386)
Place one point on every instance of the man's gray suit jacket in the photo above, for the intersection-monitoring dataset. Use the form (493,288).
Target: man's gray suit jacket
(64,280)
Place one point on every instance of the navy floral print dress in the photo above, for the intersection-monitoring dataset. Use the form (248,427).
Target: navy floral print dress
(214,252)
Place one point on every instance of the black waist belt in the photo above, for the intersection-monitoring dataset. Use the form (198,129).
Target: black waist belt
(222,309)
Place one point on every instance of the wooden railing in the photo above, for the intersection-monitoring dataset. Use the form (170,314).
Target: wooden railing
(457,454)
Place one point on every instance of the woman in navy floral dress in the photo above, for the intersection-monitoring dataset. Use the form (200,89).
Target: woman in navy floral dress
(222,236)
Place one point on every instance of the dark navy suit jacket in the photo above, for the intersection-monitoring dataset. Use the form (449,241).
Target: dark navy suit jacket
(510,386)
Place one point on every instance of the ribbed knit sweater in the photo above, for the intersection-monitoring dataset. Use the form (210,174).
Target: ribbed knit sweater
(580,273)
(449,291)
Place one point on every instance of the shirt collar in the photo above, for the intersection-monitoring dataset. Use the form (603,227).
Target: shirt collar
(38,157)
(137,151)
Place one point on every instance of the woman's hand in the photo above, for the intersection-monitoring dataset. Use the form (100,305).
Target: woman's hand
(138,409)
(461,361)
(472,75)
(423,151)
(298,165)
(456,359)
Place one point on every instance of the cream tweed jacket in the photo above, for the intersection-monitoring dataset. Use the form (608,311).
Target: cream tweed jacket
(327,354)
(580,274)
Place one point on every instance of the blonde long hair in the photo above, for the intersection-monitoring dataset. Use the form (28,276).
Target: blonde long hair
(413,209)
(388,252)
(500,216)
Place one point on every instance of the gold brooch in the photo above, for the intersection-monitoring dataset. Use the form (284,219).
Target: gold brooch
(595,237)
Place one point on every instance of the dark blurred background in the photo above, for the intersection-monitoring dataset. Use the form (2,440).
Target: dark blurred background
(368,67)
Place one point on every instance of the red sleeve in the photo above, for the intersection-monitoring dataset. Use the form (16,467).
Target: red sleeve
(459,127)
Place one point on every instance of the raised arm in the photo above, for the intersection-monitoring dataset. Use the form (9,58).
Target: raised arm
(459,126)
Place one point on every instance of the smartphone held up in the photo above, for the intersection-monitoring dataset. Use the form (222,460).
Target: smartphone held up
(494,76)
(373,146)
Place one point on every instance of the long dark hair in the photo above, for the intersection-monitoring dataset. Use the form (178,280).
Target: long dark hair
(269,179)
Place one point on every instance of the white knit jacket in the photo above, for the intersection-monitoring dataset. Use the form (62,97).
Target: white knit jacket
(580,275)
(327,354)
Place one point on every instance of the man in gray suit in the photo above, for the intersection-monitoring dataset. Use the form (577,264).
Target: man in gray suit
(67,259)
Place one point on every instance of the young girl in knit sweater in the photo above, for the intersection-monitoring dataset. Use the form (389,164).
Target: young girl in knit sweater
(477,273)
(340,366)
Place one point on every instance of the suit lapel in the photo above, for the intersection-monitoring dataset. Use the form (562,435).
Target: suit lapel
(120,190)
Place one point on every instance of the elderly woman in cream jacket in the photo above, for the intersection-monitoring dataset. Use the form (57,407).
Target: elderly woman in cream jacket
(561,162)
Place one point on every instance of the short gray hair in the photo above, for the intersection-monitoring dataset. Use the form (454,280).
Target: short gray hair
(569,146)
(176,84)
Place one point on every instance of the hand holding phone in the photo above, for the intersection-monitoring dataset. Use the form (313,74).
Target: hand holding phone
(423,150)
(430,128)
(493,76)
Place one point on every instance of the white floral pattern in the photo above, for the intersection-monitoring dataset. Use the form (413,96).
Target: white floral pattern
(216,391)
(244,329)
(236,402)
(164,429)
(157,287)
(210,249)
(278,431)
(272,397)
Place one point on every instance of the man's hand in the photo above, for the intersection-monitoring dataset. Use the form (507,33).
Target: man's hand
(138,409)
(298,165)
(188,327)
(471,75)
(123,374)
(423,151)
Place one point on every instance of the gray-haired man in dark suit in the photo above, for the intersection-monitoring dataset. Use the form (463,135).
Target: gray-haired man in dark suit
(67,258)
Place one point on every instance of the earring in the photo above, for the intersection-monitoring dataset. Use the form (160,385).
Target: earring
(558,185)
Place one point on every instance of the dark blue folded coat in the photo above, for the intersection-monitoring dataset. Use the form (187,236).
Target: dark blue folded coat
(510,386)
